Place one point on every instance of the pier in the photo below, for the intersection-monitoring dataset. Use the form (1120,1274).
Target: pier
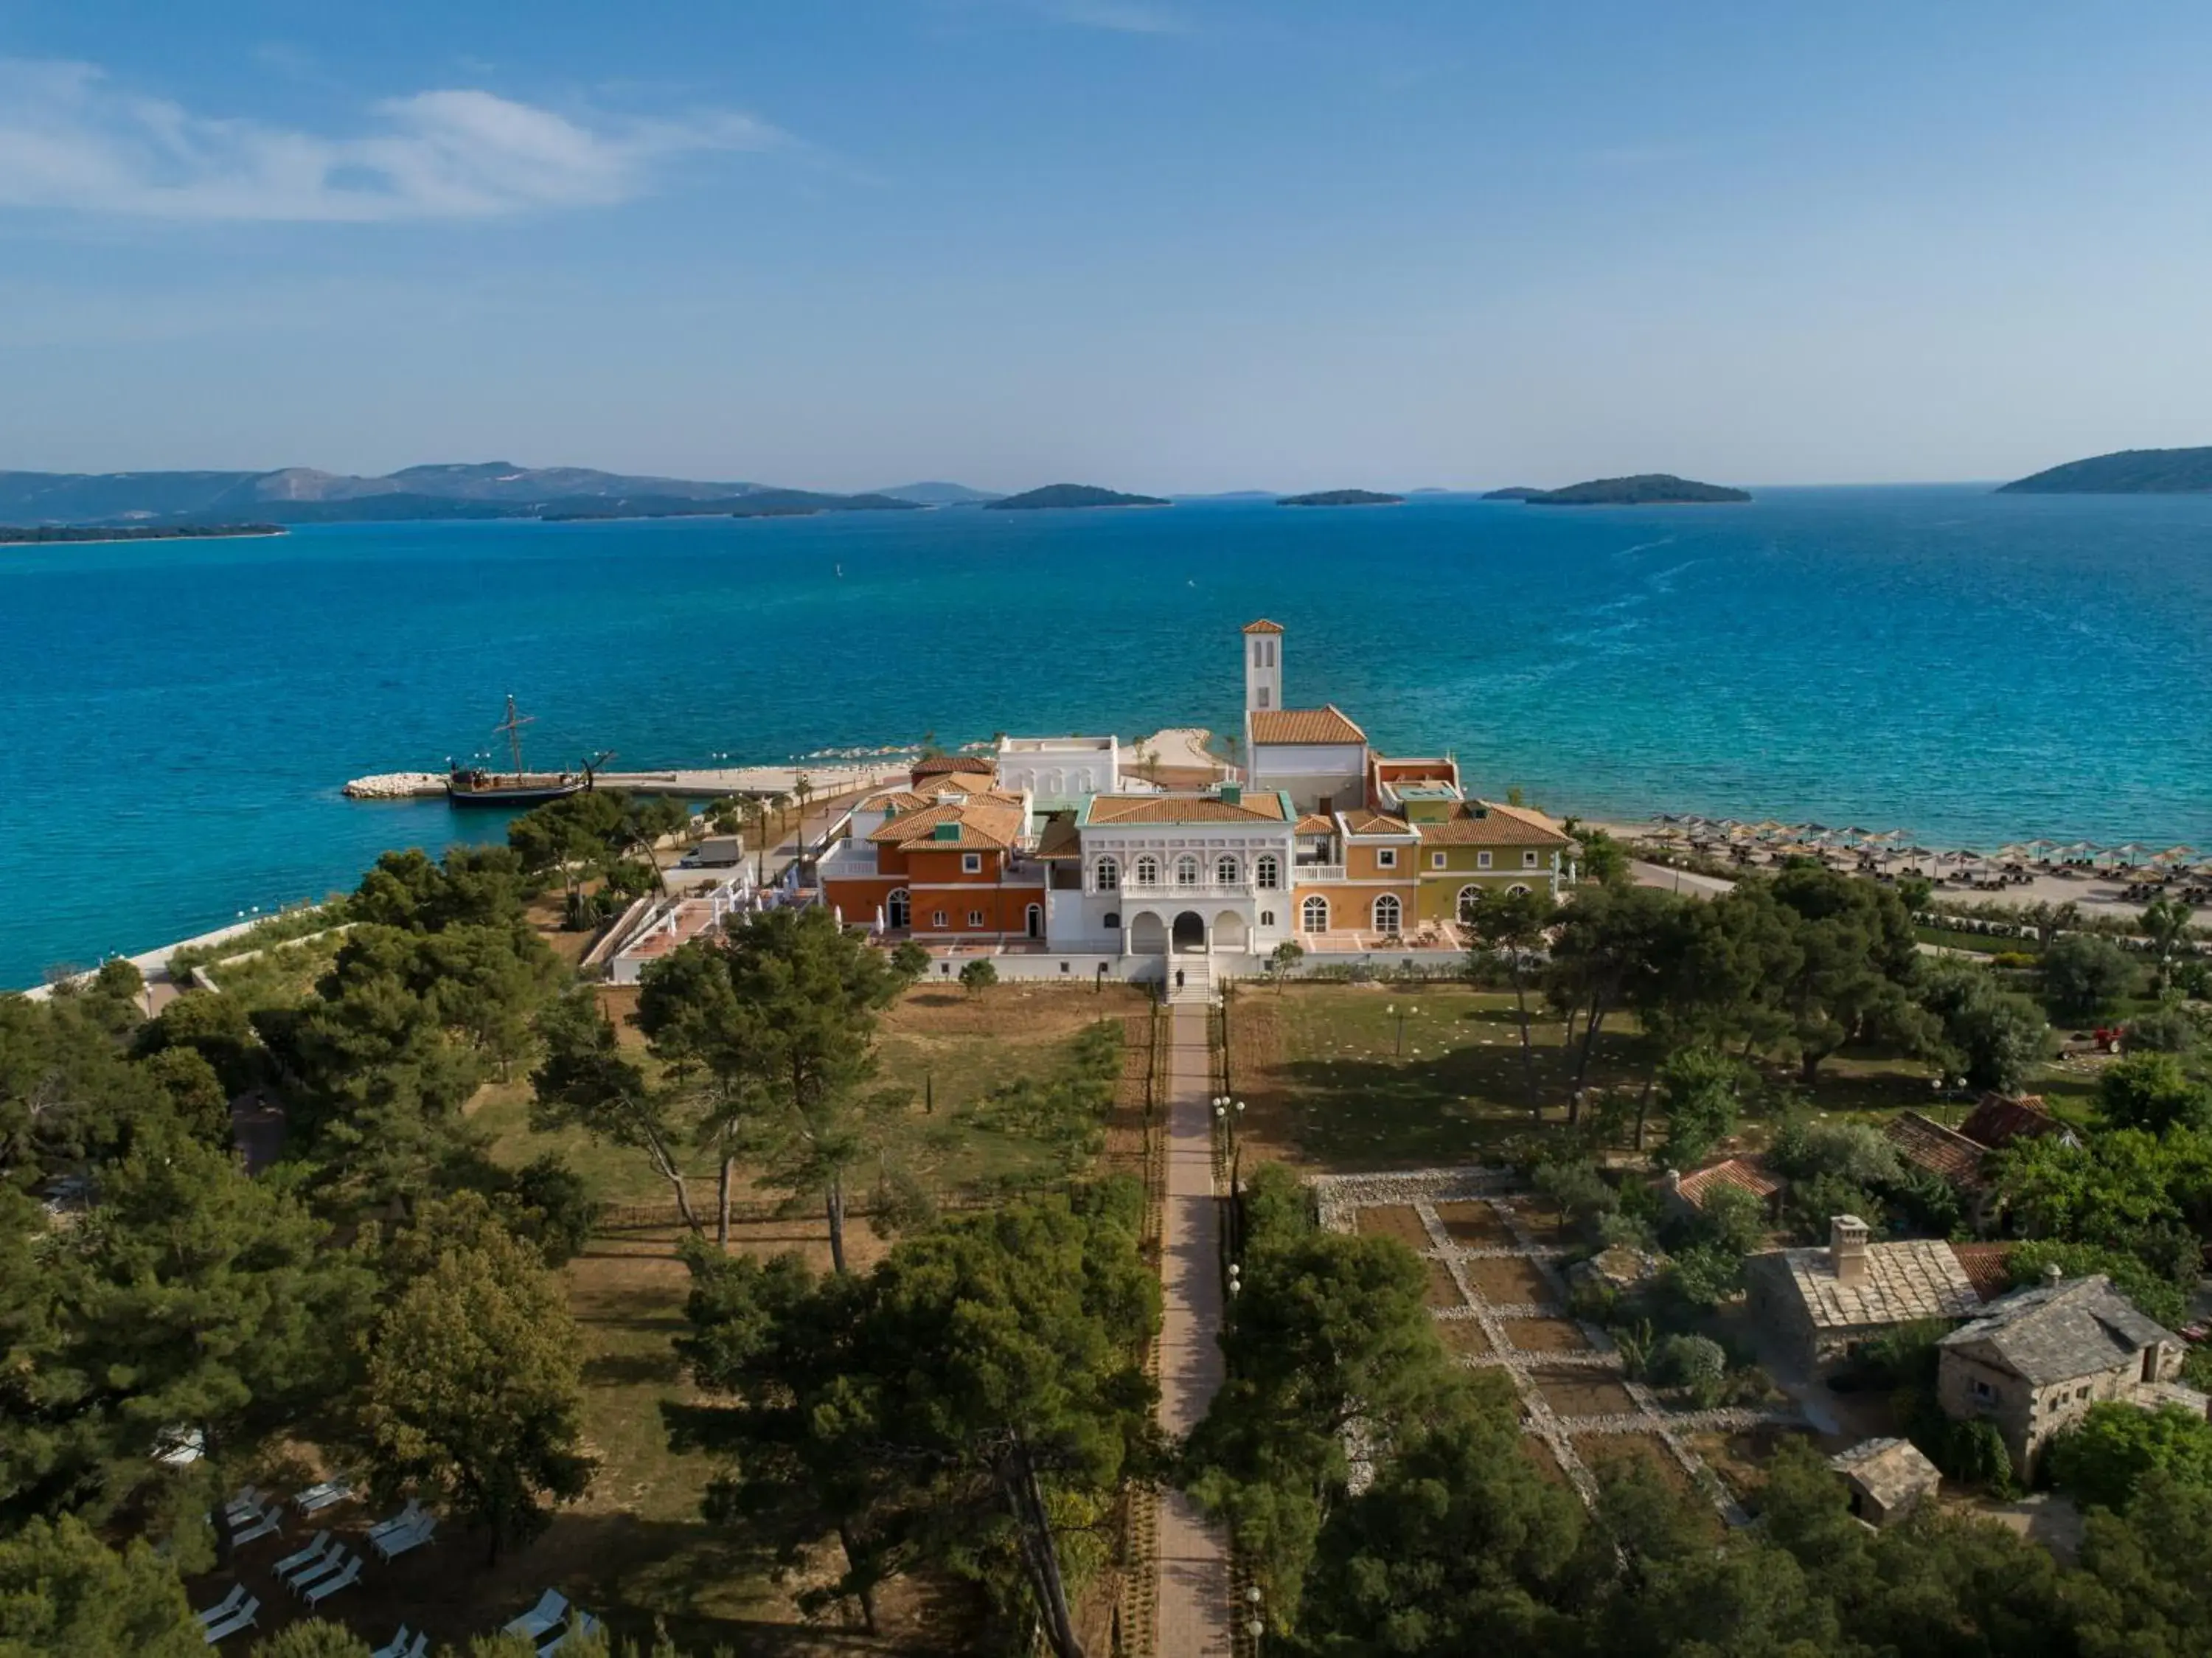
(677,782)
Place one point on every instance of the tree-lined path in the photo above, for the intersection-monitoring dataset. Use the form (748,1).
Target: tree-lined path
(1193,1557)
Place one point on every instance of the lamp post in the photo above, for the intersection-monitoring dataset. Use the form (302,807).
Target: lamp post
(1255,1624)
(1399,1051)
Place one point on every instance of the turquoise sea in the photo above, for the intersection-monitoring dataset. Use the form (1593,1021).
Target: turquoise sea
(176,718)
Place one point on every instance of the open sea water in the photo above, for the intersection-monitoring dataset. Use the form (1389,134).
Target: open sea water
(176,718)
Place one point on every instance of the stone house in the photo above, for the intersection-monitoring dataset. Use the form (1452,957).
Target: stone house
(2035,1360)
(1823,1304)
(1961,1156)
(1888,1478)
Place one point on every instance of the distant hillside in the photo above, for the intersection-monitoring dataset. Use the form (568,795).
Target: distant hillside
(2129,472)
(48,534)
(1071,495)
(1342,499)
(310,495)
(937,493)
(1518,492)
(1644,490)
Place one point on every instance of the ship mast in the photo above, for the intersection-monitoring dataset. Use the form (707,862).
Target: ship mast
(511,727)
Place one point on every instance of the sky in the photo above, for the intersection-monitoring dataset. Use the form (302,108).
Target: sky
(1161,245)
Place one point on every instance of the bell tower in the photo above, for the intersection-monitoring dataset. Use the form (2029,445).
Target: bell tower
(1263,666)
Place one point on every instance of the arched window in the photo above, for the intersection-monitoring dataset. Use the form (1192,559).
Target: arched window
(898,909)
(1313,915)
(1469,896)
(1105,875)
(1267,874)
(1225,871)
(1267,918)
(1516,890)
(1148,871)
(1186,870)
(1386,912)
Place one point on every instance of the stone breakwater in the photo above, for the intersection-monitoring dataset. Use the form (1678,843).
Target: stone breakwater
(397,785)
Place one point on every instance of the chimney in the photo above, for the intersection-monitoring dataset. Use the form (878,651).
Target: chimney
(1232,793)
(1674,1180)
(1847,1248)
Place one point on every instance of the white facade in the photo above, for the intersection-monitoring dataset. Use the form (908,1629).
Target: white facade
(1059,769)
(1311,773)
(1263,671)
(1221,889)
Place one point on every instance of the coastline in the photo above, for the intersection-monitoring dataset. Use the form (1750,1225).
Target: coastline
(258,534)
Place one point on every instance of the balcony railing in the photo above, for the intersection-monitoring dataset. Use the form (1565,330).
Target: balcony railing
(1313,872)
(1186,889)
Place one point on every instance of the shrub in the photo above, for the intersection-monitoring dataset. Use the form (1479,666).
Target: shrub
(1695,1364)
(2104,1457)
(2165,1029)
(1974,1453)
(2015,960)
(977,977)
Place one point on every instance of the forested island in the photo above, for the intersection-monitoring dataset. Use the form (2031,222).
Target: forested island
(2127,472)
(1644,490)
(1518,492)
(1070,495)
(1342,499)
(40,534)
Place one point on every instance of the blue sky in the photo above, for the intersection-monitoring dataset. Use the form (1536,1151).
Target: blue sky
(1160,244)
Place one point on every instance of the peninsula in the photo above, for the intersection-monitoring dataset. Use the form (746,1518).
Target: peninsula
(1071,495)
(44,535)
(2127,472)
(1342,499)
(1644,490)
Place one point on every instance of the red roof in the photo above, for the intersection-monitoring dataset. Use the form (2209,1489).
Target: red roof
(1985,1265)
(1263,625)
(939,765)
(1745,1174)
(2000,1119)
(1926,1142)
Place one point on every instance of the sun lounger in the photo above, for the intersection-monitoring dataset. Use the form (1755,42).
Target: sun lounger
(330,1565)
(391,1547)
(316,1498)
(299,1565)
(408,1516)
(245,1617)
(552,1606)
(222,1608)
(249,1501)
(329,1585)
(395,1647)
(582,1623)
(255,1527)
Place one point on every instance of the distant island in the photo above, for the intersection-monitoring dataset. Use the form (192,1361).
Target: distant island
(1518,492)
(1644,490)
(36,534)
(1342,499)
(1070,495)
(936,493)
(2129,471)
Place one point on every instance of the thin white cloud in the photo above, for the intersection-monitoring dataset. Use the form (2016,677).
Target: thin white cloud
(71,140)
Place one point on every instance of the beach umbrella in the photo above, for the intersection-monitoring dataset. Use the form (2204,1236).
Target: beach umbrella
(2019,849)
(2174,855)
(2043,848)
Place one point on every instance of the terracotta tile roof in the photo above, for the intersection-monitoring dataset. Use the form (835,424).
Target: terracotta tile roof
(1986,1266)
(1263,625)
(1745,1174)
(1375,823)
(985,820)
(1480,823)
(1328,724)
(1060,838)
(1312,823)
(939,765)
(1260,807)
(2000,1119)
(1925,1142)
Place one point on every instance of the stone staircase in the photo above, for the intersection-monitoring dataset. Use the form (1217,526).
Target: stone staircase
(1197,987)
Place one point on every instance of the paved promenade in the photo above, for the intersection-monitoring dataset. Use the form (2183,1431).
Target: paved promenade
(1194,1558)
